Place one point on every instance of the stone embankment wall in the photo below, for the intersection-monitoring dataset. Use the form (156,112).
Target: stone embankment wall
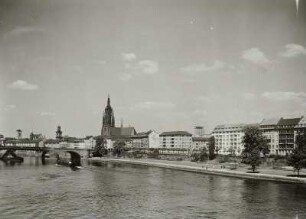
(220,172)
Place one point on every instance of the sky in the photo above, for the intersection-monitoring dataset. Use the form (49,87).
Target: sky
(166,64)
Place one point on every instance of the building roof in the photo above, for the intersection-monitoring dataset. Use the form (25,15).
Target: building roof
(142,134)
(127,131)
(232,127)
(122,131)
(291,121)
(272,121)
(176,133)
(302,123)
(200,139)
(52,141)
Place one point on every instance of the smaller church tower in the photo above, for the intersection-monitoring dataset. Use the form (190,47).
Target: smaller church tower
(59,133)
(19,133)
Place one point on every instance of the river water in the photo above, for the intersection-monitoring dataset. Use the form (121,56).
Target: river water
(33,190)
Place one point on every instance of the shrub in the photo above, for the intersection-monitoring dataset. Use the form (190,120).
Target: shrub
(154,153)
(195,157)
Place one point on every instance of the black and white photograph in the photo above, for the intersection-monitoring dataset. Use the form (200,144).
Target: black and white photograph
(153,109)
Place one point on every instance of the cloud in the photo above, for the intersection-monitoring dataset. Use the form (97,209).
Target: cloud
(249,96)
(22,85)
(9,107)
(125,77)
(135,67)
(202,67)
(128,57)
(47,114)
(256,56)
(293,50)
(24,30)
(284,96)
(148,66)
(150,105)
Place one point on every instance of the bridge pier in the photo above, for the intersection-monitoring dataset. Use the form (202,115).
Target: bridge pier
(5,156)
(43,156)
(75,159)
(88,153)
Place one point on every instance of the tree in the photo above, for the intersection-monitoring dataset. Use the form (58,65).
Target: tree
(211,148)
(297,159)
(195,157)
(255,144)
(203,155)
(99,149)
(153,153)
(118,148)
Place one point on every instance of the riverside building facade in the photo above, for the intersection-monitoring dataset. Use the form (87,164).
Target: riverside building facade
(199,143)
(228,138)
(287,133)
(71,143)
(148,139)
(24,142)
(301,126)
(270,131)
(1,140)
(175,139)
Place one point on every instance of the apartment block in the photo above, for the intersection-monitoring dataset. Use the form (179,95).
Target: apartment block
(228,138)
(175,139)
(269,129)
(287,134)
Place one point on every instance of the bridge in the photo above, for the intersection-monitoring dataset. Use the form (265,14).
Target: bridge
(75,158)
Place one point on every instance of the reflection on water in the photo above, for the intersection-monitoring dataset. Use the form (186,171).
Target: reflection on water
(107,190)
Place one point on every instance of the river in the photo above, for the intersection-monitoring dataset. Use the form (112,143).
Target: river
(33,190)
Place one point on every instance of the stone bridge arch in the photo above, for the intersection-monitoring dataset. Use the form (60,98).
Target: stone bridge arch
(75,158)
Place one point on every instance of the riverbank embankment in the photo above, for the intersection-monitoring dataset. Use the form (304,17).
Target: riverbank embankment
(270,175)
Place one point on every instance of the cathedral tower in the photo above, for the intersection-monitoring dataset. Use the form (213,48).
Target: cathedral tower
(108,120)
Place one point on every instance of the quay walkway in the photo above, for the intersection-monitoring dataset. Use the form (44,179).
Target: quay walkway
(264,174)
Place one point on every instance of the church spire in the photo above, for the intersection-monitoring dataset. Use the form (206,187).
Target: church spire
(108,101)
(108,120)
(108,115)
